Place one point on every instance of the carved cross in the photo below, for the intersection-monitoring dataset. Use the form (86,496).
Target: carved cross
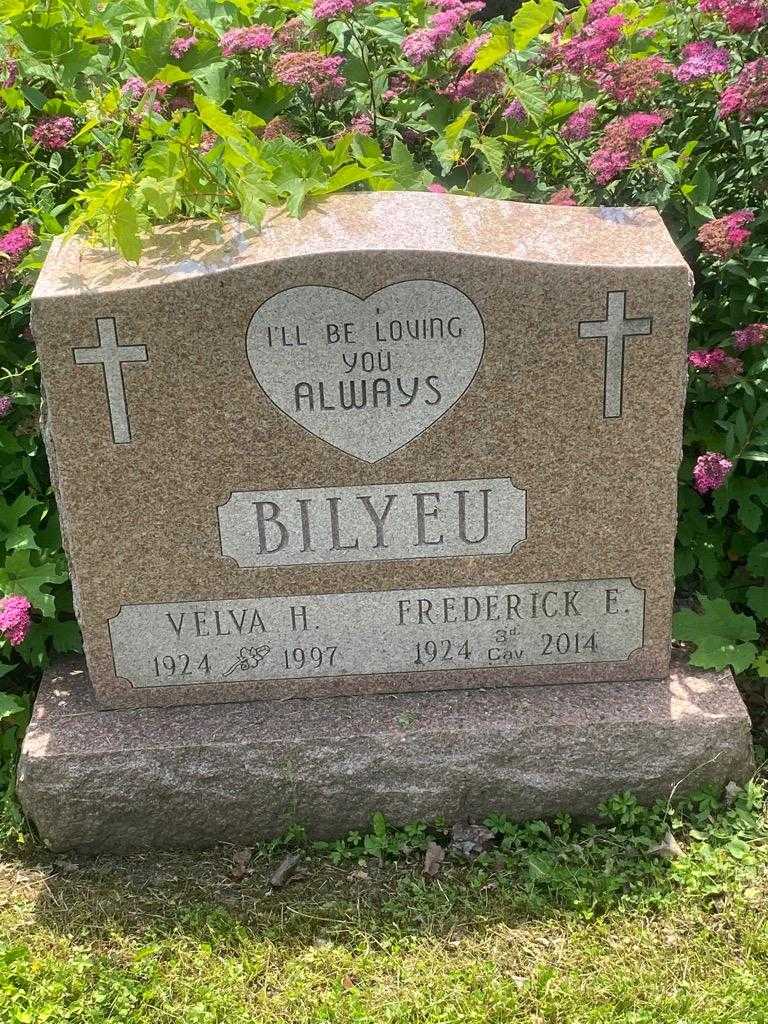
(614,330)
(112,356)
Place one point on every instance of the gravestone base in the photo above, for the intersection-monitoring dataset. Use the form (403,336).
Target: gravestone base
(175,777)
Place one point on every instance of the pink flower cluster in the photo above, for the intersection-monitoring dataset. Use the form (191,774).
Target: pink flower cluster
(134,87)
(750,336)
(397,85)
(628,80)
(308,67)
(739,15)
(565,197)
(477,85)
(207,141)
(422,43)
(702,60)
(6,404)
(182,45)
(589,47)
(15,619)
(8,71)
(520,175)
(724,236)
(53,132)
(710,471)
(620,145)
(435,186)
(718,363)
(246,40)
(291,32)
(14,245)
(579,124)
(599,9)
(748,95)
(515,111)
(325,9)
(362,124)
(464,55)
(17,242)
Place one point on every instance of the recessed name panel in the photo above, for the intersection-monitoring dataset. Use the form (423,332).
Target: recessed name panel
(309,526)
(390,631)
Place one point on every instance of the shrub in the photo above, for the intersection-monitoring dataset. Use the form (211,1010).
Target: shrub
(117,116)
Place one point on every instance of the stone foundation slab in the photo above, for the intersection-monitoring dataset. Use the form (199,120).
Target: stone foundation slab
(189,777)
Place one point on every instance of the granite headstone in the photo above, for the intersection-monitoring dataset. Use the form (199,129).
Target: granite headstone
(406,442)
(404,456)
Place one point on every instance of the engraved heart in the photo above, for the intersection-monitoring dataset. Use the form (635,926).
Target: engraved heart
(366,375)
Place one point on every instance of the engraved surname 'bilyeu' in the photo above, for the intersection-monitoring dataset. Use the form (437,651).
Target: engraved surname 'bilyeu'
(614,330)
(375,522)
(390,631)
(366,375)
(112,355)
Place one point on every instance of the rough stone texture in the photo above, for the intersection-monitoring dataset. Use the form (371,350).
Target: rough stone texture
(139,512)
(193,776)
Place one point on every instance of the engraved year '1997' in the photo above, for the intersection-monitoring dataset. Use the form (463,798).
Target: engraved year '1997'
(442,629)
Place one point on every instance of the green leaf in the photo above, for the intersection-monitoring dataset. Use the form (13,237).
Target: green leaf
(527,89)
(158,195)
(125,223)
(737,848)
(344,177)
(406,172)
(757,599)
(722,636)
(757,559)
(379,825)
(713,652)
(66,636)
(21,537)
(10,705)
(20,576)
(447,149)
(215,81)
(495,49)
(217,120)
(494,152)
(717,618)
(530,20)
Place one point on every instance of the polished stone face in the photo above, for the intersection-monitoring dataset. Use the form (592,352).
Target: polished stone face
(409,441)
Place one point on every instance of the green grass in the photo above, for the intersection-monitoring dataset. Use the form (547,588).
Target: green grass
(556,924)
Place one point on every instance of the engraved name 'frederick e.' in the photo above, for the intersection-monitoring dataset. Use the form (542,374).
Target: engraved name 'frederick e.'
(308,526)
(366,375)
(449,629)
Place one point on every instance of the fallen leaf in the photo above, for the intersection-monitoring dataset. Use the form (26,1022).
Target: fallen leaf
(470,840)
(65,866)
(433,859)
(284,870)
(732,791)
(359,875)
(668,848)
(347,981)
(240,861)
